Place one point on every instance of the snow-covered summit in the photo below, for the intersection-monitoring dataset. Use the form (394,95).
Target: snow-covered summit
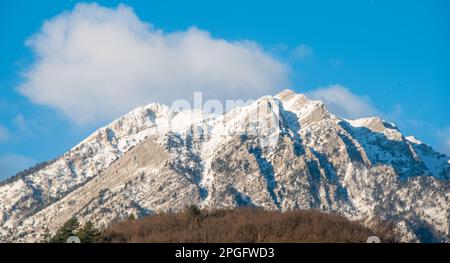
(280,152)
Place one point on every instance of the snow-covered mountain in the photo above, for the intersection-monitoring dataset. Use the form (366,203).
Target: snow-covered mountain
(283,152)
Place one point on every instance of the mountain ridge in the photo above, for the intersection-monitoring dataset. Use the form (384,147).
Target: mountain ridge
(295,155)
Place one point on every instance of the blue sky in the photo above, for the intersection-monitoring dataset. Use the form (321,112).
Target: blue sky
(389,58)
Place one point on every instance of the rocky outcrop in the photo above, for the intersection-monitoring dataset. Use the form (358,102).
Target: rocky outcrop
(282,153)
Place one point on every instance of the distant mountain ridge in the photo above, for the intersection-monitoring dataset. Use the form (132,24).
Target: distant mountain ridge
(294,155)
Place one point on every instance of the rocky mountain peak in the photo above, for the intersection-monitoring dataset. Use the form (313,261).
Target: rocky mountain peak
(283,152)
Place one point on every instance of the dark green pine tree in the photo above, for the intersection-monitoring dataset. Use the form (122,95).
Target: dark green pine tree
(89,234)
(46,236)
(194,211)
(68,229)
(132,217)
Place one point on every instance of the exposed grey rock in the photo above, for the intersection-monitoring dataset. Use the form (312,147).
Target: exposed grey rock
(283,152)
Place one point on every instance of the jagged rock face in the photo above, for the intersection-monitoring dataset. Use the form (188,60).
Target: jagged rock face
(283,152)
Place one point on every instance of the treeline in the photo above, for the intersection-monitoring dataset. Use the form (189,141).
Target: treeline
(23,174)
(87,233)
(250,225)
(243,225)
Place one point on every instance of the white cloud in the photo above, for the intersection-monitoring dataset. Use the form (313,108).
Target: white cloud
(447,146)
(4,134)
(343,103)
(94,63)
(22,125)
(444,138)
(303,52)
(11,164)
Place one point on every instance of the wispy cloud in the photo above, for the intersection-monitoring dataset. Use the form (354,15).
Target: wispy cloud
(303,53)
(11,164)
(342,102)
(4,134)
(22,126)
(444,139)
(95,63)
